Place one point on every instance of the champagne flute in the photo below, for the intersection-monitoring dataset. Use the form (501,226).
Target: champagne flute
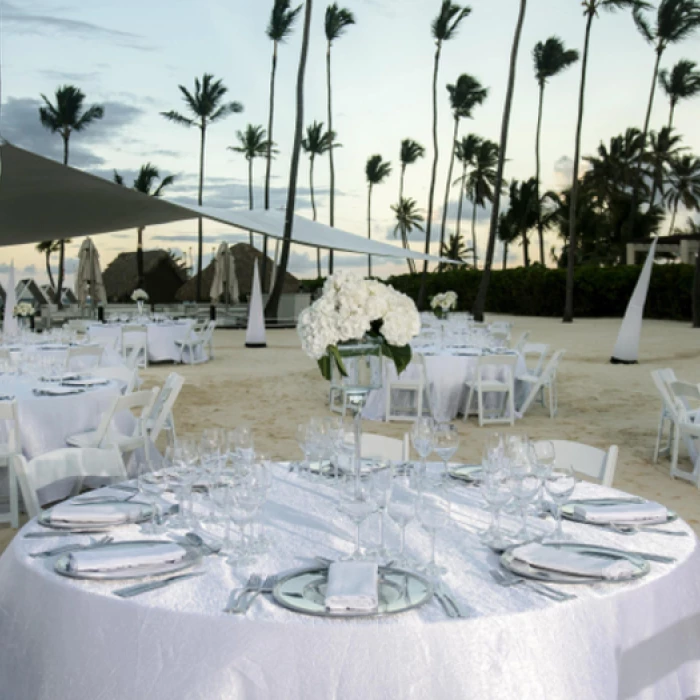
(446,444)
(355,501)
(543,457)
(433,514)
(402,509)
(382,482)
(496,491)
(423,440)
(560,485)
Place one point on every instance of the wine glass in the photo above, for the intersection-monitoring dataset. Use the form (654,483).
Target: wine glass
(423,441)
(433,514)
(493,452)
(496,491)
(402,509)
(560,485)
(244,503)
(304,440)
(382,482)
(542,457)
(525,488)
(355,500)
(446,443)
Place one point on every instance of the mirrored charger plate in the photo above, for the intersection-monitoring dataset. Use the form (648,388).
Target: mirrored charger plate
(470,473)
(133,513)
(641,566)
(86,381)
(567,512)
(305,592)
(193,556)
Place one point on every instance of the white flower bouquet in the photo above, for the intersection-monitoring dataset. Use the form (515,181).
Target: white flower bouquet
(352,308)
(139,295)
(24,309)
(442,304)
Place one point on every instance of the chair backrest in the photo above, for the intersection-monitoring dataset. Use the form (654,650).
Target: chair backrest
(139,403)
(548,374)
(84,351)
(124,374)
(503,362)
(107,342)
(208,332)
(384,448)
(682,393)
(9,412)
(134,328)
(662,379)
(590,461)
(163,405)
(539,352)
(520,343)
(71,466)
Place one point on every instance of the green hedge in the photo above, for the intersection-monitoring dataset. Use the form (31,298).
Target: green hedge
(540,291)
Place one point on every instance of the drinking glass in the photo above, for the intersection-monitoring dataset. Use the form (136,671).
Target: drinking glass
(542,456)
(493,452)
(525,488)
(446,443)
(402,509)
(423,441)
(304,440)
(382,482)
(560,485)
(433,514)
(260,481)
(243,443)
(243,504)
(355,501)
(497,492)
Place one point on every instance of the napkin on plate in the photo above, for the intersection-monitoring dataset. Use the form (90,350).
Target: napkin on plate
(622,513)
(105,493)
(352,585)
(112,558)
(106,513)
(567,561)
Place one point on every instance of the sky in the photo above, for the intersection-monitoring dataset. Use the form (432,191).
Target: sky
(131,56)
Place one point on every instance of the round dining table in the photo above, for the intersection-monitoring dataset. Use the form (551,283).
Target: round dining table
(66,639)
(57,353)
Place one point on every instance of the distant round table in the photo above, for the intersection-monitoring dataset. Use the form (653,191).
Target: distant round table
(58,352)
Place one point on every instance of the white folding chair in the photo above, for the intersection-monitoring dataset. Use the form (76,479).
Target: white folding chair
(493,366)
(686,400)
(592,462)
(62,474)
(662,378)
(130,377)
(161,415)
(194,341)
(139,404)
(538,383)
(535,355)
(520,343)
(84,354)
(107,342)
(414,386)
(8,450)
(135,346)
(501,330)
(383,448)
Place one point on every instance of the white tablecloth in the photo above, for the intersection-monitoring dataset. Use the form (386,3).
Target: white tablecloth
(58,353)
(446,373)
(161,338)
(74,640)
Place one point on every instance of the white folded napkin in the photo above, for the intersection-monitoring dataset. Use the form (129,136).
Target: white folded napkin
(622,513)
(352,585)
(567,561)
(104,493)
(114,558)
(106,513)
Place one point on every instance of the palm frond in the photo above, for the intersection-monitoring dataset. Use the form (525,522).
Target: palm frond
(336,21)
(445,26)
(282,19)
(176,117)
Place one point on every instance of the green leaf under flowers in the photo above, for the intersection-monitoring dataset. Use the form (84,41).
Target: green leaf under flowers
(333,350)
(399,354)
(324,364)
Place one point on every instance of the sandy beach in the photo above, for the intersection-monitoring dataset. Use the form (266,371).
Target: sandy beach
(276,388)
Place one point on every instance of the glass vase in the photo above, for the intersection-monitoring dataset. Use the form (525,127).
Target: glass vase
(139,304)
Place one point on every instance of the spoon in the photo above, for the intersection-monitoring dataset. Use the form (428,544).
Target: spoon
(194,539)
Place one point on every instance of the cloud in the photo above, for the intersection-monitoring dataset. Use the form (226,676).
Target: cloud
(23,22)
(67,76)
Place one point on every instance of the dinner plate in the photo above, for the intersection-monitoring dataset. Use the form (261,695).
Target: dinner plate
(192,557)
(305,592)
(567,513)
(133,514)
(508,561)
(467,472)
(88,381)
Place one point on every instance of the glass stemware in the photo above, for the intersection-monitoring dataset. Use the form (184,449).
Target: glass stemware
(525,488)
(402,509)
(244,502)
(355,501)
(560,485)
(496,491)
(542,458)
(382,482)
(446,439)
(433,512)
(423,440)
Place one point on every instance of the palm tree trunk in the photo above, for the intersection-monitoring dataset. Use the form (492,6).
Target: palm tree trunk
(461,200)
(401,179)
(409,261)
(330,152)
(480,303)
(670,116)
(540,231)
(250,198)
(313,206)
(474,255)
(48,269)
(505,255)
(139,257)
(433,175)
(200,233)
(673,218)
(369,227)
(526,250)
(62,243)
(276,293)
(449,183)
(696,293)
(268,156)
(571,259)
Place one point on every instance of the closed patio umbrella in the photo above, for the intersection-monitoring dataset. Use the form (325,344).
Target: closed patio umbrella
(88,280)
(225,282)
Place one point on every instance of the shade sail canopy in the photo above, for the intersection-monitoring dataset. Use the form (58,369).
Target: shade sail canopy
(43,200)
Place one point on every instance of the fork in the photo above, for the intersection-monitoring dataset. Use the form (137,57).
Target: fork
(266,587)
(74,547)
(508,579)
(254,581)
(633,530)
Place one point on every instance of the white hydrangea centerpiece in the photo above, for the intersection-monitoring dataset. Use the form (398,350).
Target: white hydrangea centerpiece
(352,308)
(139,295)
(442,304)
(24,309)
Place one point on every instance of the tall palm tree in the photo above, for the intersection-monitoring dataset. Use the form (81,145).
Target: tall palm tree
(48,248)
(683,186)
(144,182)
(408,218)
(507,233)
(316,143)
(465,152)
(253,143)
(550,59)
(663,147)
(279,27)
(206,106)
(480,302)
(65,116)
(523,212)
(454,249)
(336,21)
(443,28)
(466,94)
(681,83)
(410,152)
(376,171)
(276,292)
(590,11)
(481,182)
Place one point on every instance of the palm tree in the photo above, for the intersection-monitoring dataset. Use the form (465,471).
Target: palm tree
(663,147)
(682,83)
(683,185)
(411,151)
(465,152)
(207,107)
(443,28)
(376,171)
(591,8)
(507,233)
(454,249)
(550,59)
(144,182)
(337,19)
(279,27)
(466,94)
(317,143)
(48,248)
(523,212)
(64,117)
(480,302)
(276,293)
(408,217)
(253,143)
(481,182)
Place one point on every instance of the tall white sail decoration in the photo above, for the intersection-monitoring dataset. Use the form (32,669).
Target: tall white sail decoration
(255,334)
(626,349)
(9,322)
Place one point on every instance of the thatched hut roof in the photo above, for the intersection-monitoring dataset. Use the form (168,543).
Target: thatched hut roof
(163,276)
(244,256)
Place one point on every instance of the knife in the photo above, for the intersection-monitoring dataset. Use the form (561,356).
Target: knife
(154,585)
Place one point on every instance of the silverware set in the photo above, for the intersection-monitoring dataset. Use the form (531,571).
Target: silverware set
(74,547)
(139,588)
(507,579)
(241,600)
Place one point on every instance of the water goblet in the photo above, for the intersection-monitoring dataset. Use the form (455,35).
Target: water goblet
(423,441)
(382,482)
(433,513)
(497,492)
(446,444)
(355,501)
(542,457)
(525,487)
(243,504)
(402,510)
(560,486)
